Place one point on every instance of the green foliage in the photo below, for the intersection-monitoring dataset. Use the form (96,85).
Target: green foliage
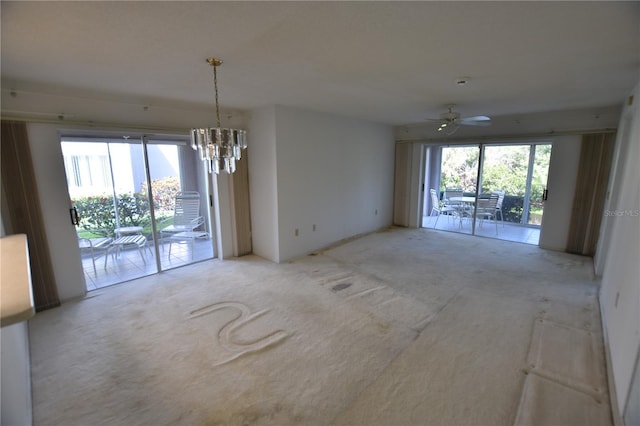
(164,193)
(97,213)
(98,217)
(459,168)
(505,169)
(512,207)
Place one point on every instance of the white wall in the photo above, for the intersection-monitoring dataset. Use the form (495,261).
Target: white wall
(16,375)
(561,182)
(620,291)
(332,172)
(613,195)
(263,185)
(416,208)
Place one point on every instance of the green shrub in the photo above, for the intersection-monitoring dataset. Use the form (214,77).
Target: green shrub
(97,213)
(164,192)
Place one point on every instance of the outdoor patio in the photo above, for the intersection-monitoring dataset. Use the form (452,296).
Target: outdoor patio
(506,231)
(128,265)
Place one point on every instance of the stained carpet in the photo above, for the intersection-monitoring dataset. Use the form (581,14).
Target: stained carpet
(411,327)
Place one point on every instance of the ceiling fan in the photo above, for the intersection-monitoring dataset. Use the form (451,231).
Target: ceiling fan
(450,121)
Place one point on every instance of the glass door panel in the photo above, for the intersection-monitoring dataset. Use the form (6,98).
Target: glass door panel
(505,169)
(516,173)
(458,185)
(539,175)
(180,203)
(114,225)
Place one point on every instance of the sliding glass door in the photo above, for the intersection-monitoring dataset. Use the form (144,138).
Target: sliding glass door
(181,204)
(123,193)
(458,186)
(521,172)
(539,169)
(468,177)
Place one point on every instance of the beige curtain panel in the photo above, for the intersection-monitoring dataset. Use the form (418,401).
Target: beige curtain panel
(21,211)
(593,175)
(241,207)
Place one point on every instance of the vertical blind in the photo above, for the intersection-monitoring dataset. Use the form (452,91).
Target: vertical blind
(596,153)
(241,208)
(24,211)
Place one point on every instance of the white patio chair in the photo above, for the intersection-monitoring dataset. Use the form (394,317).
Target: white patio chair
(437,208)
(499,204)
(186,218)
(486,209)
(95,247)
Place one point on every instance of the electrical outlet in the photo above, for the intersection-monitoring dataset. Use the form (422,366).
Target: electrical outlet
(295,232)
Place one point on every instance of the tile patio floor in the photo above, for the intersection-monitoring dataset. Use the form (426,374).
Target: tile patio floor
(506,231)
(129,264)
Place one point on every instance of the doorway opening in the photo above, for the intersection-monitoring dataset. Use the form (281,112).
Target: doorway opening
(127,201)
(491,190)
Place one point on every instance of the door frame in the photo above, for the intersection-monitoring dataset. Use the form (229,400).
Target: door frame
(428,147)
(204,180)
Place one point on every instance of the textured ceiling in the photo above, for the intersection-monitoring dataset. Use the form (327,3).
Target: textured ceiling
(390,62)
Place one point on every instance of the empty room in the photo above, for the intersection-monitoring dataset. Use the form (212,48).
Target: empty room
(320,213)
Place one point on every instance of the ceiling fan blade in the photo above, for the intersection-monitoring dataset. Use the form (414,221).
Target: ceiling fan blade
(466,122)
(477,118)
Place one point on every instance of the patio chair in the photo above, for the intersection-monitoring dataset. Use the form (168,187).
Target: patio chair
(437,208)
(186,218)
(499,204)
(486,209)
(95,247)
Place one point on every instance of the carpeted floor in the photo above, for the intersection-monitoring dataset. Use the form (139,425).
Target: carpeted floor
(400,327)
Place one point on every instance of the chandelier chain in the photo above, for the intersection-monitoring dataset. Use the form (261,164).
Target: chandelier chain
(215,87)
(219,148)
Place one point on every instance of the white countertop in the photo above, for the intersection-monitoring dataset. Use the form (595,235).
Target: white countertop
(16,296)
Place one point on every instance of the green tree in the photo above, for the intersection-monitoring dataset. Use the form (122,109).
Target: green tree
(459,168)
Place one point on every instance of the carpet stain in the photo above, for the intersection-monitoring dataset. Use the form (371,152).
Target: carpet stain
(340,286)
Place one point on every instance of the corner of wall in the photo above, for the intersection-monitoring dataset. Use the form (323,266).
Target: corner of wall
(620,291)
(263,190)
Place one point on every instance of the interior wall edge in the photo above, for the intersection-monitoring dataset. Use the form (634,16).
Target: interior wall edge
(613,397)
(620,289)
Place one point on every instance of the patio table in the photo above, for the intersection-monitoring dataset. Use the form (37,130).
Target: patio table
(466,204)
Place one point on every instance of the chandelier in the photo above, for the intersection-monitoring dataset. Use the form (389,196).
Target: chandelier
(219,148)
